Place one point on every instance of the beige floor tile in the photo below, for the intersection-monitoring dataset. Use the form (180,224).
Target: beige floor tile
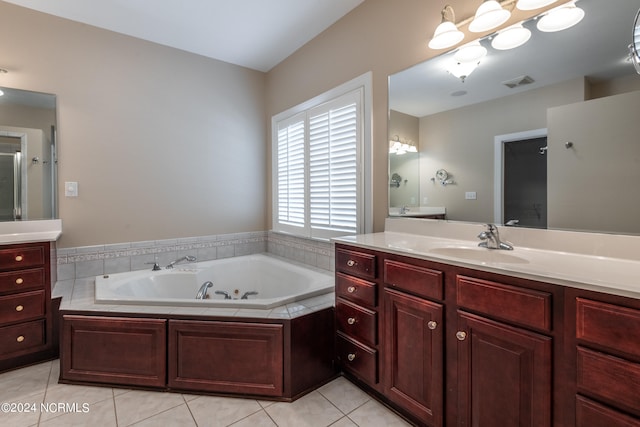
(19,385)
(259,419)
(344,394)
(312,410)
(67,393)
(221,411)
(180,416)
(100,414)
(19,415)
(344,422)
(137,405)
(374,414)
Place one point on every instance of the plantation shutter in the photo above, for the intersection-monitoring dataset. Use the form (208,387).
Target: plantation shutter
(291,172)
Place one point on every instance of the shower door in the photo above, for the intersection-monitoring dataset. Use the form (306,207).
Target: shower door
(10,186)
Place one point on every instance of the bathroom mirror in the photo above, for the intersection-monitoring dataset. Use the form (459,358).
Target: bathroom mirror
(556,84)
(27,155)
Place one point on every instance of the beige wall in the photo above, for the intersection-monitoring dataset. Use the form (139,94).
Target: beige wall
(163,143)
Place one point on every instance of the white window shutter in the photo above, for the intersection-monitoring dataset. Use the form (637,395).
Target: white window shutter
(291,172)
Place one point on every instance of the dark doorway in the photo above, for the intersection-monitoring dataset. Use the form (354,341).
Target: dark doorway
(525,182)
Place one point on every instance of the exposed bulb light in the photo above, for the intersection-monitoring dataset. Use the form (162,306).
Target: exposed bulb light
(511,37)
(533,4)
(447,33)
(489,15)
(560,18)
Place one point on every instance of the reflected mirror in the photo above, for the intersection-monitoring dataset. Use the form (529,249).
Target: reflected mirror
(27,155)
(543,135)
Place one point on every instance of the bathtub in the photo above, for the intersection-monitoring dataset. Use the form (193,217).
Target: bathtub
(275,281)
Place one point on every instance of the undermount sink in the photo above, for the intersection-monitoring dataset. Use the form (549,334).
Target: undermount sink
(479,254)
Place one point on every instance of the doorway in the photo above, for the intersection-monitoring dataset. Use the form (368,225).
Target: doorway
(10,178)
(521,179)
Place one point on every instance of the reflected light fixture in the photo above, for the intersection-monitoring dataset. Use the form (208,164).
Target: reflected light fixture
(560,18)
(1,92)
(466,60)
(533,4)
(399,148)
(511,37)
(489,15)
(447,33)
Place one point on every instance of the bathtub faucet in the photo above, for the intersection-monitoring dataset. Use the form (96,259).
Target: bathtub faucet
(188,258)
(202,292)
(247,294)
(226,294)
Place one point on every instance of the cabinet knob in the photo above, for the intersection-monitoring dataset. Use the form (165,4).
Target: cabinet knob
(432,324)
(20,338)
(351,320)
(461,335)
(19,281)
(19,308)
(351,289)
(351,263)
(19,258)
(351,357)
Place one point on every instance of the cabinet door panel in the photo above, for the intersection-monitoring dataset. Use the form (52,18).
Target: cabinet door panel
(413,355)
(592,414)
(504,374)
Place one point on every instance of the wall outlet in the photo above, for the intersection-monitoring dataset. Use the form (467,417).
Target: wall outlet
(470,195)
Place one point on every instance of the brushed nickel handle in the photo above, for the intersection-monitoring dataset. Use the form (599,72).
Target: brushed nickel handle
(351,320)
(432,324)
(19,258)
(351,289)
(20,338)
(351,357)
(461,335)
(351,263)
(19,281)
(19,308)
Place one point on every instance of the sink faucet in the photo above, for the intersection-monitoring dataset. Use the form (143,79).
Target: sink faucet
(188,258)
(202,292)
(491,239)
(404,209)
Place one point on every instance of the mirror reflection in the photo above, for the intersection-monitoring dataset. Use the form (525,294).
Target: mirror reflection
(543,135)
(27,155)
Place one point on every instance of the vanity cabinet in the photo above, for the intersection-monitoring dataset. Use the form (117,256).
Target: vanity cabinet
(27,332)
(605,358)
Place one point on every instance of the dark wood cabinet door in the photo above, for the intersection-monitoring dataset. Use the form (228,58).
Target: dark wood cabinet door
(503,374)
(413,355)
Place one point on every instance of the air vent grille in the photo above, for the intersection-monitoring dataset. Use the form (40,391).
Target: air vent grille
(518,81)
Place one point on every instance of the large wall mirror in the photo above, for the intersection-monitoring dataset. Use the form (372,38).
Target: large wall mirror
(544,135)
(27,155)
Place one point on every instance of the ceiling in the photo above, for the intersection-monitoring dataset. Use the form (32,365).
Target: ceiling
(257,34)
(596,48)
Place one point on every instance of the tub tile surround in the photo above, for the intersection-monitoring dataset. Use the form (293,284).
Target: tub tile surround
(338,403)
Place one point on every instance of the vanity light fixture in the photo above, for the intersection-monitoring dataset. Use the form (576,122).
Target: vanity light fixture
(466,60)
(447,33)
(560,18)
(399,148)
(1,92)
(533,4)
(511,37)
(489,15)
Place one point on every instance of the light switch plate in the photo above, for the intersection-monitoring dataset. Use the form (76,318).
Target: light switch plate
(470,195)
(71,189)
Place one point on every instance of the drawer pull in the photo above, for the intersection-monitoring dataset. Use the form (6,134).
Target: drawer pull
(351,263)
(351,289)
(432,324)
(351,357)
(19,281)
(461,335)
(19,308)
(20,338)
(351,320)
(19,258)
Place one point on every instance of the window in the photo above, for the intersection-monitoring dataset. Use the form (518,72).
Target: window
(319,166)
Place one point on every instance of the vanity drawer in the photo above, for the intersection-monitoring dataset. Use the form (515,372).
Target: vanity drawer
(592,414)
(608,325)
(21,257)
(23,306)
(359,264)
(356,321)
(417,280)
(523,306)
(608,378)
(356,290)
(22,279)
(357,358)
(21,337)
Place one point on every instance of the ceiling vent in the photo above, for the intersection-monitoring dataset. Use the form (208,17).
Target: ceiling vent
(518,81)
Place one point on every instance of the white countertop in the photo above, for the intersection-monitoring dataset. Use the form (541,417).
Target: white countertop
(598,273)
(30,231)
(418,211)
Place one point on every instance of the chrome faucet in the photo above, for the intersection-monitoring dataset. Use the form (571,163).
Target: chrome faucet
(202,292)
(404,209)
(188,258)
(491,239)
(226,294)
(247,294)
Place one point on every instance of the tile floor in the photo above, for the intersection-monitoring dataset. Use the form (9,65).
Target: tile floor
(43,402)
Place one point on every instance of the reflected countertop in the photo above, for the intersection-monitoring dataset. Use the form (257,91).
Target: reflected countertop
(12,232)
